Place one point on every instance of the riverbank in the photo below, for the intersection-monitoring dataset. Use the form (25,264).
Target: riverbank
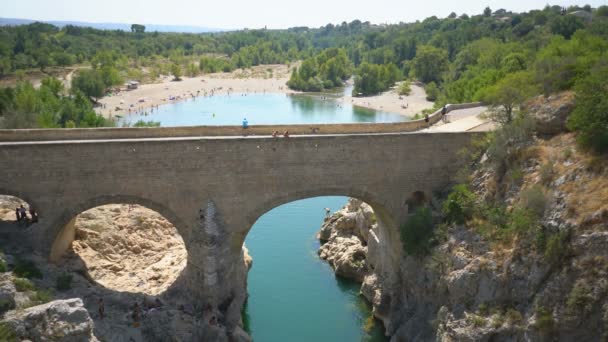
(259,79)
(390,101)
(256,80)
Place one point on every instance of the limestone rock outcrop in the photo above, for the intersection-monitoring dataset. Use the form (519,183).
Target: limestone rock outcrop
(344,236)
(7,293)
(551,113)
(64,320)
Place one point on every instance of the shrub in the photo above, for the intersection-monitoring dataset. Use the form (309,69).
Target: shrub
(547,172)
(64,282)
(405,88)
(22,284)
(556,247)
(26,269)
(509,139)
(3,266)
(544,320)
(432,91)
(417,232)
(535,199)
(590,116)
(513,316)
(580,299)
(40,297)
(7,333)
(459,205)
(522,220)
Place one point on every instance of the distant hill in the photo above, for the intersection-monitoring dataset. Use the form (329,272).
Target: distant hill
(112,26)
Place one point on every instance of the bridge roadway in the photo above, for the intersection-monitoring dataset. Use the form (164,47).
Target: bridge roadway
(213,189)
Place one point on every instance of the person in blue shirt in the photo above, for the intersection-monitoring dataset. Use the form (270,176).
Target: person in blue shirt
(245,125)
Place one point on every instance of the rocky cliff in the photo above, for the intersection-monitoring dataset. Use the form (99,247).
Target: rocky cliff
(547,282)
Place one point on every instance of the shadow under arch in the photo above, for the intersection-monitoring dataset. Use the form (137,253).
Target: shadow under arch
(62,231)
(383,216)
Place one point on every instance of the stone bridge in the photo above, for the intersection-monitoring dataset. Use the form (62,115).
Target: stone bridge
(213,189)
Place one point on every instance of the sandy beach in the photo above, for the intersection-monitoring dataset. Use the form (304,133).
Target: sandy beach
(260,79)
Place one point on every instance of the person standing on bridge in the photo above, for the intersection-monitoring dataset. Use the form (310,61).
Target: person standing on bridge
(426,119)
(245,123)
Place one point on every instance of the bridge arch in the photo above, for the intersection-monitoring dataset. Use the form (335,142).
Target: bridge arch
(62,232)
(280,199)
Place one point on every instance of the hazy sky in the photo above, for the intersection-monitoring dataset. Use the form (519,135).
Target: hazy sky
(258,13)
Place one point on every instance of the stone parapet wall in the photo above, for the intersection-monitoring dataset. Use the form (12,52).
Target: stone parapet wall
(7,135)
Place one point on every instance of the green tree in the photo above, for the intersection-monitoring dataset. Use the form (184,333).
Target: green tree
(590,117)
(429,63)
(566,25)
(487,12)
(137,28)
(176,71)
(510,92)
(90,83)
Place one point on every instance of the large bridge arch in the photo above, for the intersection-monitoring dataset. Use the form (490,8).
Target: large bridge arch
(61,231)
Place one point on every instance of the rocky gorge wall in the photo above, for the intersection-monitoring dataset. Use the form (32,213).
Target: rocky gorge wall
(473,288)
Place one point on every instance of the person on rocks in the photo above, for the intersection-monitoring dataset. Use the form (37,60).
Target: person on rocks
(136,314)
(33,214)
(101,308)
(327,212)
(18,214)
(22,213)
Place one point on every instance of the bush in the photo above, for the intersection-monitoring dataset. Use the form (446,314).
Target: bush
(556,247)
(405,88)
(547,172)
(3,266)
(64,282)
(544,320)
(535,199)
(417,232)
(26,269)
(580,299)
(22,284)
(459,205)
(7,333)
(590,117)
(40,297)
(432,91)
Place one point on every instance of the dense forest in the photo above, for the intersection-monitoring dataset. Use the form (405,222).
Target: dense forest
(497,56)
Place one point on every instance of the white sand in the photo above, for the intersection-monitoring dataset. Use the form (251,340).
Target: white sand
(260,79)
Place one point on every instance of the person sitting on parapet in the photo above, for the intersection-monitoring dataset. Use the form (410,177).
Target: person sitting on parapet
(426,119)
(275,134)
(286,134)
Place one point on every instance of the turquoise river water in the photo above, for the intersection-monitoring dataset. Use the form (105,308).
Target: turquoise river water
(293,295)
(261,109)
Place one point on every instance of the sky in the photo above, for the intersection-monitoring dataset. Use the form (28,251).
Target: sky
(274,14)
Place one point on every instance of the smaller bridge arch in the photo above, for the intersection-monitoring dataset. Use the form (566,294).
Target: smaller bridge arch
(62,231)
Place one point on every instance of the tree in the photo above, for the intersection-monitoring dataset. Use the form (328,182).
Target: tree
(509,93)
(566,25)
(137,28)
(487,12)
(90,83)
(429,63)
(176,70)
(590,117)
